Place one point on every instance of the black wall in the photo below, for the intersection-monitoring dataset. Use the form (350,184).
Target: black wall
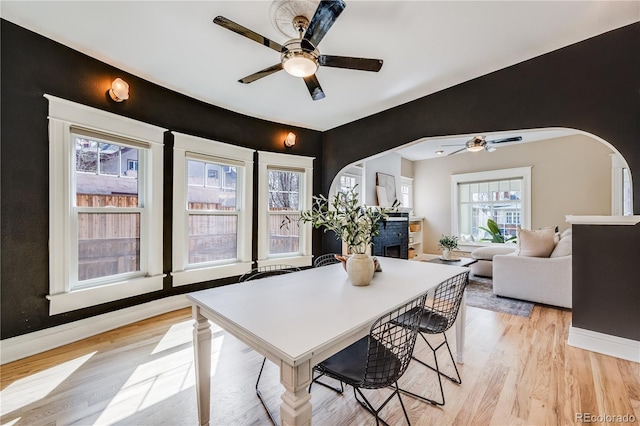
(592,86)
(607,258)
(31,66)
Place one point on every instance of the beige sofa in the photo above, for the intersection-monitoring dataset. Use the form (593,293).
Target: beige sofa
(537,279)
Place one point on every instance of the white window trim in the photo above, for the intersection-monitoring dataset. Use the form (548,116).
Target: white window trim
(513,173)
(183,273)
(63,115)
(407,181)
(275,160)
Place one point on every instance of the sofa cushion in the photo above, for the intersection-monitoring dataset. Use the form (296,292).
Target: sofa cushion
(487,253)
(563,248)
(536,243)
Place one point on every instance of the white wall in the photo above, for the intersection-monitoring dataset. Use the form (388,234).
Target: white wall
(390,164)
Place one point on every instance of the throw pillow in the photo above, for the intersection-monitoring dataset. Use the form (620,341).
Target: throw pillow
(536,243)
(563,248)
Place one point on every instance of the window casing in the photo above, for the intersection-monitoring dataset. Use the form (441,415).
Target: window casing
(501,195)
(212,199)
(285,187)
(105,217)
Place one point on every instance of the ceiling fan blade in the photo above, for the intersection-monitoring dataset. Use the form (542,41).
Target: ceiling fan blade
(457,144)
(262,73)
(314,87)
(239,29)
(326,14)
(513,139)
(455,152)
(362,64)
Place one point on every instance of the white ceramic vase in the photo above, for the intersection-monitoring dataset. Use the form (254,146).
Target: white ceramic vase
(446,254)
(360,269)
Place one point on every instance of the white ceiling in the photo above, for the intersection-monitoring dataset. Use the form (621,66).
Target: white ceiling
(426,46)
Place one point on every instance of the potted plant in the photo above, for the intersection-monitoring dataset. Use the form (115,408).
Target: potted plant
(446,244)
(496,234)
(352,223)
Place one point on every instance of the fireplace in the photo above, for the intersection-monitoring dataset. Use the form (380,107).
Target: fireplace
(393,239)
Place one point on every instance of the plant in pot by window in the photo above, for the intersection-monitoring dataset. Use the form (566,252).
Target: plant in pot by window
(446,244)
(496,234)
(352,223)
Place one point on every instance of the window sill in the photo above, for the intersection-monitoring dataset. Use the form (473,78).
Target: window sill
(192,276)
(78,299)
(299,261)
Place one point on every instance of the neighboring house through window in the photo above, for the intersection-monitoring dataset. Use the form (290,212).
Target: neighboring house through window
(105,216)
(501,195)
(212,204)
(285,188)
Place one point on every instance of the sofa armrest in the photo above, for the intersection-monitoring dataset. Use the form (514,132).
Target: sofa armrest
(537,279)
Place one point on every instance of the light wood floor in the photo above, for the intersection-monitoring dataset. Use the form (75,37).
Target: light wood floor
(518,371)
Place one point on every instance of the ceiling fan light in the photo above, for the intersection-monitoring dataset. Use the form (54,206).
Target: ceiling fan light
(297,61)
(300,66)
(476,144)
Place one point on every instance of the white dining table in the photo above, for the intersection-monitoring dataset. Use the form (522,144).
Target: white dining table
(299,319)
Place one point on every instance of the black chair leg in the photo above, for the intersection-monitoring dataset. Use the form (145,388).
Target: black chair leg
(437,370)
(264,404)
(376,412)
(315,380)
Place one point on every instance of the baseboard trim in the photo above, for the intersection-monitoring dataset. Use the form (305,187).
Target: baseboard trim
(615,346)
(26,345)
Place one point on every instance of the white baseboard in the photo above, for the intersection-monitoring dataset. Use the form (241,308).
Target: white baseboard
(615,346)
(43,340)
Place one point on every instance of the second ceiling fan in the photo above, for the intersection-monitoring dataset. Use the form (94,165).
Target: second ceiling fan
(479,143)
(300,57)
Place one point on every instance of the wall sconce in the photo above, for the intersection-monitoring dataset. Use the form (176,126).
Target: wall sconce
(119,90)
(290,140)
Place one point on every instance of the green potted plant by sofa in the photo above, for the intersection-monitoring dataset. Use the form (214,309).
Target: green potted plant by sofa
(495,233)
(447,243)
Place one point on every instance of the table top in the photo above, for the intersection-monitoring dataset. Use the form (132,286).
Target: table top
(314,313)
(458,261)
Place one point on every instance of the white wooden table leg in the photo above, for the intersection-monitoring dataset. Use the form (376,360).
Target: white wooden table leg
(461,329)
(202,350)
(295,409)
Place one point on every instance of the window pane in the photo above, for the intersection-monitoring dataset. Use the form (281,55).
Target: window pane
(195,173)
(481,201)
(284,190)
(284,234)
(101,184)
(214,174)
(109,159)
(108,244)
(213,196)
(212,238)
(86,155)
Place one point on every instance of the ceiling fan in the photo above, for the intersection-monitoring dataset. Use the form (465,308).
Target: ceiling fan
(479,143)
(300,56)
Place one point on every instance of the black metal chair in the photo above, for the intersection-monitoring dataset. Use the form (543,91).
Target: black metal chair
(325,259)
(379,359)
(439,314)
(255,274)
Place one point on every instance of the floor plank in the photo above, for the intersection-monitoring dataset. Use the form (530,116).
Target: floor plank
(518,371)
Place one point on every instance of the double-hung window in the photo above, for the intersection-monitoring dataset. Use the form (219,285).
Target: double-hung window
(501,195)
(105,206)
(285,188)
(212,209)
